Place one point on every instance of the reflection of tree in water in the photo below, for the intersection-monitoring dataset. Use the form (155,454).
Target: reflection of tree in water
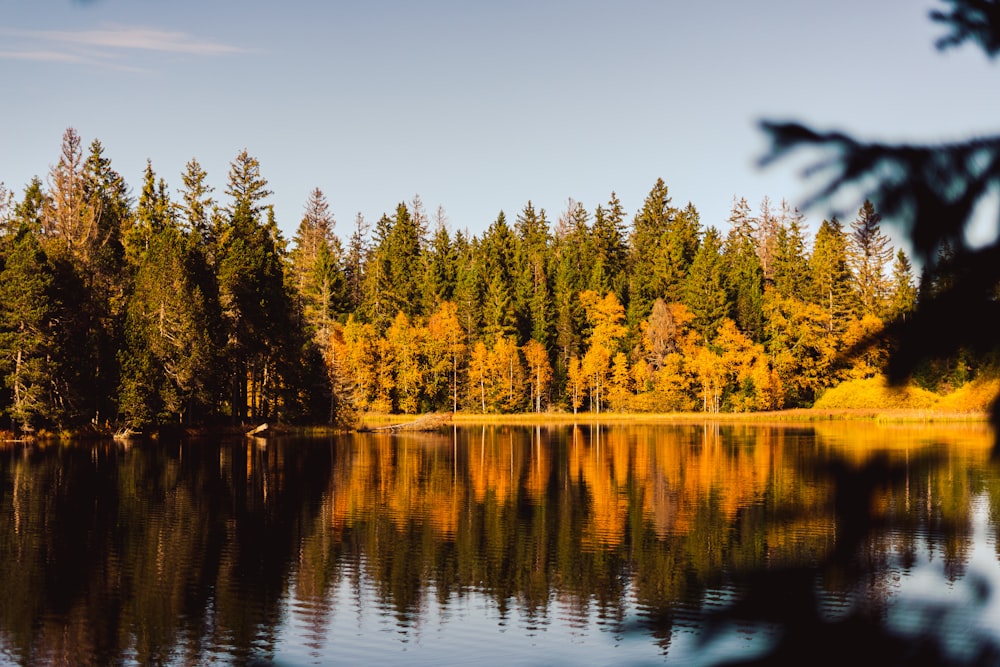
(688,507)
(197,550)
(148,554)
(874,505)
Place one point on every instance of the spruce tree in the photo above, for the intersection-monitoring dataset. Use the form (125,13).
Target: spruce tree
(610,248)
(168,360)
(705,292)
(744,274)
(255,305)
(869,251)
(679,246)
(790,274)
(402,254)
(468,286)
(27,335)
(830,276)
(497,253)
(903,293)
(195,211)
(354,264)
(31,209)
(645,245)
(438,269)
(532,275)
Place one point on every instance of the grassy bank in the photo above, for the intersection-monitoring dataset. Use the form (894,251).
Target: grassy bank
(784,416)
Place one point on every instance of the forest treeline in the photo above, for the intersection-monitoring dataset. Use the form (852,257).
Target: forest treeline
(154,309)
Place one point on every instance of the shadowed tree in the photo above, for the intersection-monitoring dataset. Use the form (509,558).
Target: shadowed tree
(903,293)
(26,332)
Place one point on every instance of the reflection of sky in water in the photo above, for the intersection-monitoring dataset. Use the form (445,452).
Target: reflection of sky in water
(355,627)
(470,629)
(962,611)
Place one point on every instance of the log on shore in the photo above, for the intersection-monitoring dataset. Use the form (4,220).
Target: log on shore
(430,422)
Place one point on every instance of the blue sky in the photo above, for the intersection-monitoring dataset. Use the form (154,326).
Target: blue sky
(477,107)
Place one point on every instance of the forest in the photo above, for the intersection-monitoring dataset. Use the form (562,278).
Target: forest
(163,309)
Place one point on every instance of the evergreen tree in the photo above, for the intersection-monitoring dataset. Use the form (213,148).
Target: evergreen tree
(468,291)
(246,187)
(403,248)
(903,293)
(744,274)
(830,276)
(766,232)
(790,274)
(153,214)
(533,289)
(705,292)
(195,211)
(869,251)
(32,208)
(438,282)
(27,334)
(379,302)
(68,219)
(90,209)
(645,245)
(316,265)
(497,252)
(255,306)
(168,360)
(354,264)
(570,259)
(610,247)
(679,246)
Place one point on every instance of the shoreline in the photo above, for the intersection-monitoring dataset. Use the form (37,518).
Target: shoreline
(375,421)
(800,415)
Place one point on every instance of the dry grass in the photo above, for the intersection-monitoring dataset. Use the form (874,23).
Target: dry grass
(778,416)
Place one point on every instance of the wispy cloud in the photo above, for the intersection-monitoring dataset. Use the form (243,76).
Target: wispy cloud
(104,46)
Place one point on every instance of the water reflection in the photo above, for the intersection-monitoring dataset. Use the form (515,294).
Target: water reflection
(605,544)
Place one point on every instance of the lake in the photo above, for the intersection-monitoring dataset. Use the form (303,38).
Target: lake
(690,543)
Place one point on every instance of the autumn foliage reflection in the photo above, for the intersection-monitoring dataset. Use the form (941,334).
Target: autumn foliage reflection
(189,552)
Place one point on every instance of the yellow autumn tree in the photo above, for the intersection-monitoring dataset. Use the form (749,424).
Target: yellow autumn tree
(406,343)
(539,370)
(478,375)
(868,360)
(575,383)
(606,318)
(802,354)
(751,383)
(445,349)
(336,358)
(620,389)
(596,366)
(673,382)
(361,361)
(710,377)
(506,379)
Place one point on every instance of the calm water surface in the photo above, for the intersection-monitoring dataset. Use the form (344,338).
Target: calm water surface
(498,545)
